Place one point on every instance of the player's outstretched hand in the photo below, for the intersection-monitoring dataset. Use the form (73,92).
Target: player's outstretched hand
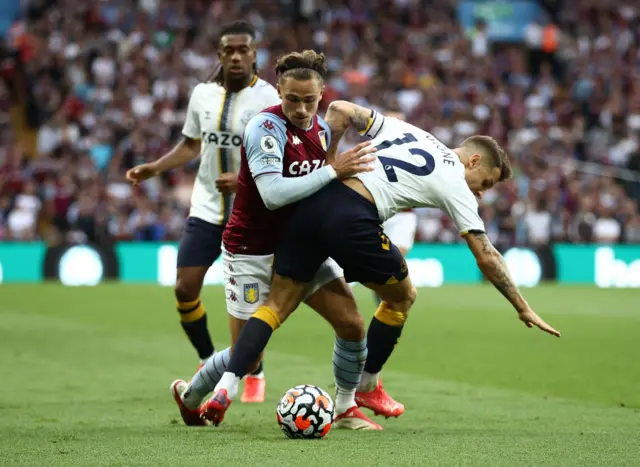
(227,183)
(354,161)
(531,319)
(142,172)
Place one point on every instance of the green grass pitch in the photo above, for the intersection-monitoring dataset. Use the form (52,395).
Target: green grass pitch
(85,375)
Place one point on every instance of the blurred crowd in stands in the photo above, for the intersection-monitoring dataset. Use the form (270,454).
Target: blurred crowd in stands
(103,85)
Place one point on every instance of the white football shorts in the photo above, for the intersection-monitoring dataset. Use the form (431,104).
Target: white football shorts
(247,281)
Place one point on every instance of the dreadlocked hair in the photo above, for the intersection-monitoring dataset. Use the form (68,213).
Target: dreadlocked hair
(302,66)
(235,27)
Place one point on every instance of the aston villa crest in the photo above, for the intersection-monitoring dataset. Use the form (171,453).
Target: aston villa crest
(251,293)
(323,139)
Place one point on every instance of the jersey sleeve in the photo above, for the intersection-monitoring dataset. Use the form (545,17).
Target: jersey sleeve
(462,208)
(327,129)
(277,191)
(264,139)
(376,121)
(191,128)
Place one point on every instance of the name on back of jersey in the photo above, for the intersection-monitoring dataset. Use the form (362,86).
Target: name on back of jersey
(222,139)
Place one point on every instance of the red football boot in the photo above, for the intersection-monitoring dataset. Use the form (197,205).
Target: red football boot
(354,419)
(253,389)
(380,402)
(214,409)
(191,417)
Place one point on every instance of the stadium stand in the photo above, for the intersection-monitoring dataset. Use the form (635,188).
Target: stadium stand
(90,89)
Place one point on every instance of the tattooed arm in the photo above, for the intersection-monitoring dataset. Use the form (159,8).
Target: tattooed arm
(494,267)
(340,116)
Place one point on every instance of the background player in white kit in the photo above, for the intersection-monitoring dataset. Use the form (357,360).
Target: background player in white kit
(217,114)
(413,169)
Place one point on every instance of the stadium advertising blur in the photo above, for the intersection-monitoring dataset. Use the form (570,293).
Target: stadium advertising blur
(430,265)
(506,20)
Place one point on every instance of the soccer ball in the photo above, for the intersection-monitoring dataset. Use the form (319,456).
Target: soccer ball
(305,412)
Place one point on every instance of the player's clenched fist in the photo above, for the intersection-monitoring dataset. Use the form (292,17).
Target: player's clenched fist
(356,160)
(227,183)
(142,172)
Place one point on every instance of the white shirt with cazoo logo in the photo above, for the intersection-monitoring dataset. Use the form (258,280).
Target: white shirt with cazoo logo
(218,118)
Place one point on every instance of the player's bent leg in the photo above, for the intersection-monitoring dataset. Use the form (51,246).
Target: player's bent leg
(247,285)
(254,382)
(251,343)
(336,304)
(247,352)
(203,383)
(331,297)
(285,296)
(384,332)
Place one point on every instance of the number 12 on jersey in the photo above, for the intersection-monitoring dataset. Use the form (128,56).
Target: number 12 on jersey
(391,164)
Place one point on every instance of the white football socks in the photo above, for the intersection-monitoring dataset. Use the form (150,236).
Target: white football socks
(368,382)
(230,382)
(345,399)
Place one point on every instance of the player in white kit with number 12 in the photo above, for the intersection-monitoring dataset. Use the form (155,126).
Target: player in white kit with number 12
(342,221)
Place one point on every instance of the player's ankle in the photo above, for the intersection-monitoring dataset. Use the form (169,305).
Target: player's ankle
(344,408)
(368,382)
(229,382)
(191,398)
(345,399)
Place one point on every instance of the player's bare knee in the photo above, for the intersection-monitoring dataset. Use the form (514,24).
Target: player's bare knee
(351,328)
(395,312)
(405,305)
(412,296)
(186,291)
(406,302)
(189,283)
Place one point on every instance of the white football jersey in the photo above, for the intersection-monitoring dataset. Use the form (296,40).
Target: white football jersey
(413,169)
(218,118)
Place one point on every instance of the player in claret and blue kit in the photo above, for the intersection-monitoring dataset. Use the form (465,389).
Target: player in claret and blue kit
(287,155)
